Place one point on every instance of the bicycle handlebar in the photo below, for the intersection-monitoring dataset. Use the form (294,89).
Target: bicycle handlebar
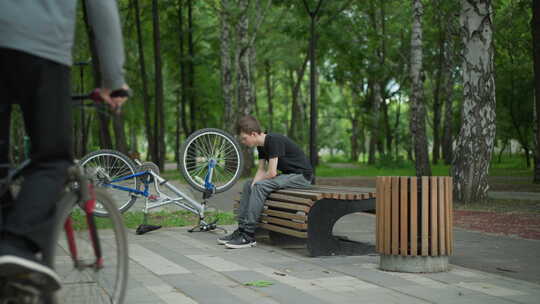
(95,96)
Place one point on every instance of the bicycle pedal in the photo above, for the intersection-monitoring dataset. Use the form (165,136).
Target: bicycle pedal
(153,198)
(142,229)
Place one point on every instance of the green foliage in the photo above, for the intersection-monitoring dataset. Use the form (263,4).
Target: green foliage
(358,43)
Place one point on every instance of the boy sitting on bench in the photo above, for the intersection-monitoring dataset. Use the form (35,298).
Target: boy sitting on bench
(276,152)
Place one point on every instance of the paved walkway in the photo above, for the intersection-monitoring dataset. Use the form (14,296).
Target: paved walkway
(174,266)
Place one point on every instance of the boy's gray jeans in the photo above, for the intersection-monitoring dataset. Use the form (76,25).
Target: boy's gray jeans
(252,199)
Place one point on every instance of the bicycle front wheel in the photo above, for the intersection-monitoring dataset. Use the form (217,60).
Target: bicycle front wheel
(211,146)
(86,279)
(111,170)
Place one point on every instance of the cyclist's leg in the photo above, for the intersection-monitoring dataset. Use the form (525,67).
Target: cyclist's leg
(42,88)
(5,121)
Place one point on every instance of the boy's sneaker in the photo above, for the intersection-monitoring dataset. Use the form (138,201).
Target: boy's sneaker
(242,241)
(224,240)
(27,271)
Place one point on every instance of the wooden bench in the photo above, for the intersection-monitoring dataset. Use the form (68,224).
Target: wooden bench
(310,215)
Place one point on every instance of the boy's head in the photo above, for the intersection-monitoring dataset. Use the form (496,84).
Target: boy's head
(249,130)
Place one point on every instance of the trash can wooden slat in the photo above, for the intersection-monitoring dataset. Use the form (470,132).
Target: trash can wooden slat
(414,223)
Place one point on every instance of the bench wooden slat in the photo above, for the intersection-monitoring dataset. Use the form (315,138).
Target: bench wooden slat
(300,193)
(291,199)
(287,206)
(283,214)
(296,233)
(282,222)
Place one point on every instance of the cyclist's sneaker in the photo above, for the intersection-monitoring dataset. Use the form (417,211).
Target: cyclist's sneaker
(28,271)
(225,239)
(242,241)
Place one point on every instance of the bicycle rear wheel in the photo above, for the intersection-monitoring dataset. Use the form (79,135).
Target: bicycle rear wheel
(103,167)
(206,146)
(83,281)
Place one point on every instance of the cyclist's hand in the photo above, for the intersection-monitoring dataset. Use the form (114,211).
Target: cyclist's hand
(111,98)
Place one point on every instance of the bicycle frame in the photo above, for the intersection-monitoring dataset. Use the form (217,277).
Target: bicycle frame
(182,200)
(88,204)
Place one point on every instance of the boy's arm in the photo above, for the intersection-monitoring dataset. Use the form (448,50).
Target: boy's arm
(263,174)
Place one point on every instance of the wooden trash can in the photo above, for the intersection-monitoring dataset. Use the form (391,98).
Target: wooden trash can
(414,223)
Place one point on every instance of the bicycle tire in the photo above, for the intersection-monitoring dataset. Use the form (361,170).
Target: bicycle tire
(94,282)
(205,144)
(93,165)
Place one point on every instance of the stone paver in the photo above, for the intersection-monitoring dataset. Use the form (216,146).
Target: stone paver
(175,266)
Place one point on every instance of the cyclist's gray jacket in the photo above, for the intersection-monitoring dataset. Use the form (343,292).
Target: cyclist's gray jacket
(45,28)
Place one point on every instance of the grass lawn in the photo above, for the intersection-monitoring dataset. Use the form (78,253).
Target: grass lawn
(164,218)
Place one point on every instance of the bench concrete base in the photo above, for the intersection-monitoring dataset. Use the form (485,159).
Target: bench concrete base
(414,264)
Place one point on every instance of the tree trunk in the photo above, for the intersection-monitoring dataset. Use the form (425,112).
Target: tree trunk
(373,117)
(181,123)
(159,122)
(418,112)
(535,29)
(447,140)
(355,136)
(226,67)
(396,130)
(387,131)
(297,109)
(120,133)
(437,95)
(245,101)
(105,138)
(474,145)
(244,98)
(144,80)
(191,71)
(269,93)
(253,76)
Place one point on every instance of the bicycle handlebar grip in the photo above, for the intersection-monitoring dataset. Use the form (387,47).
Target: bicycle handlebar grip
(120,93)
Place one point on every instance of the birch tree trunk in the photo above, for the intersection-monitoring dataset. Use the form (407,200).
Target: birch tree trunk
(226,67)
(448,118)
(245,102)
(535,29)
(474,145)
(244,98)
(418,112)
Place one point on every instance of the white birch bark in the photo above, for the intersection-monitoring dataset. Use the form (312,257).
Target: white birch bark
(474,145)
(418,112)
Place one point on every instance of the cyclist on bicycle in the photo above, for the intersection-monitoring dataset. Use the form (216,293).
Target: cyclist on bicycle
(36,38)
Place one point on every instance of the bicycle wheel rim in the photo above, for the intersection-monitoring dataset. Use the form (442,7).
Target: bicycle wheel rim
(208,145)
(106,166)
(87,284)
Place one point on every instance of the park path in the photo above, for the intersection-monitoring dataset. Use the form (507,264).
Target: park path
(174,266)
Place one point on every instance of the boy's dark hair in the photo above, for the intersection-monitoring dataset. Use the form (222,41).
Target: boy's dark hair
(248,124)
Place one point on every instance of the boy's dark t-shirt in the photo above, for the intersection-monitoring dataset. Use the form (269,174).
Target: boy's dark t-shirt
(291,159)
